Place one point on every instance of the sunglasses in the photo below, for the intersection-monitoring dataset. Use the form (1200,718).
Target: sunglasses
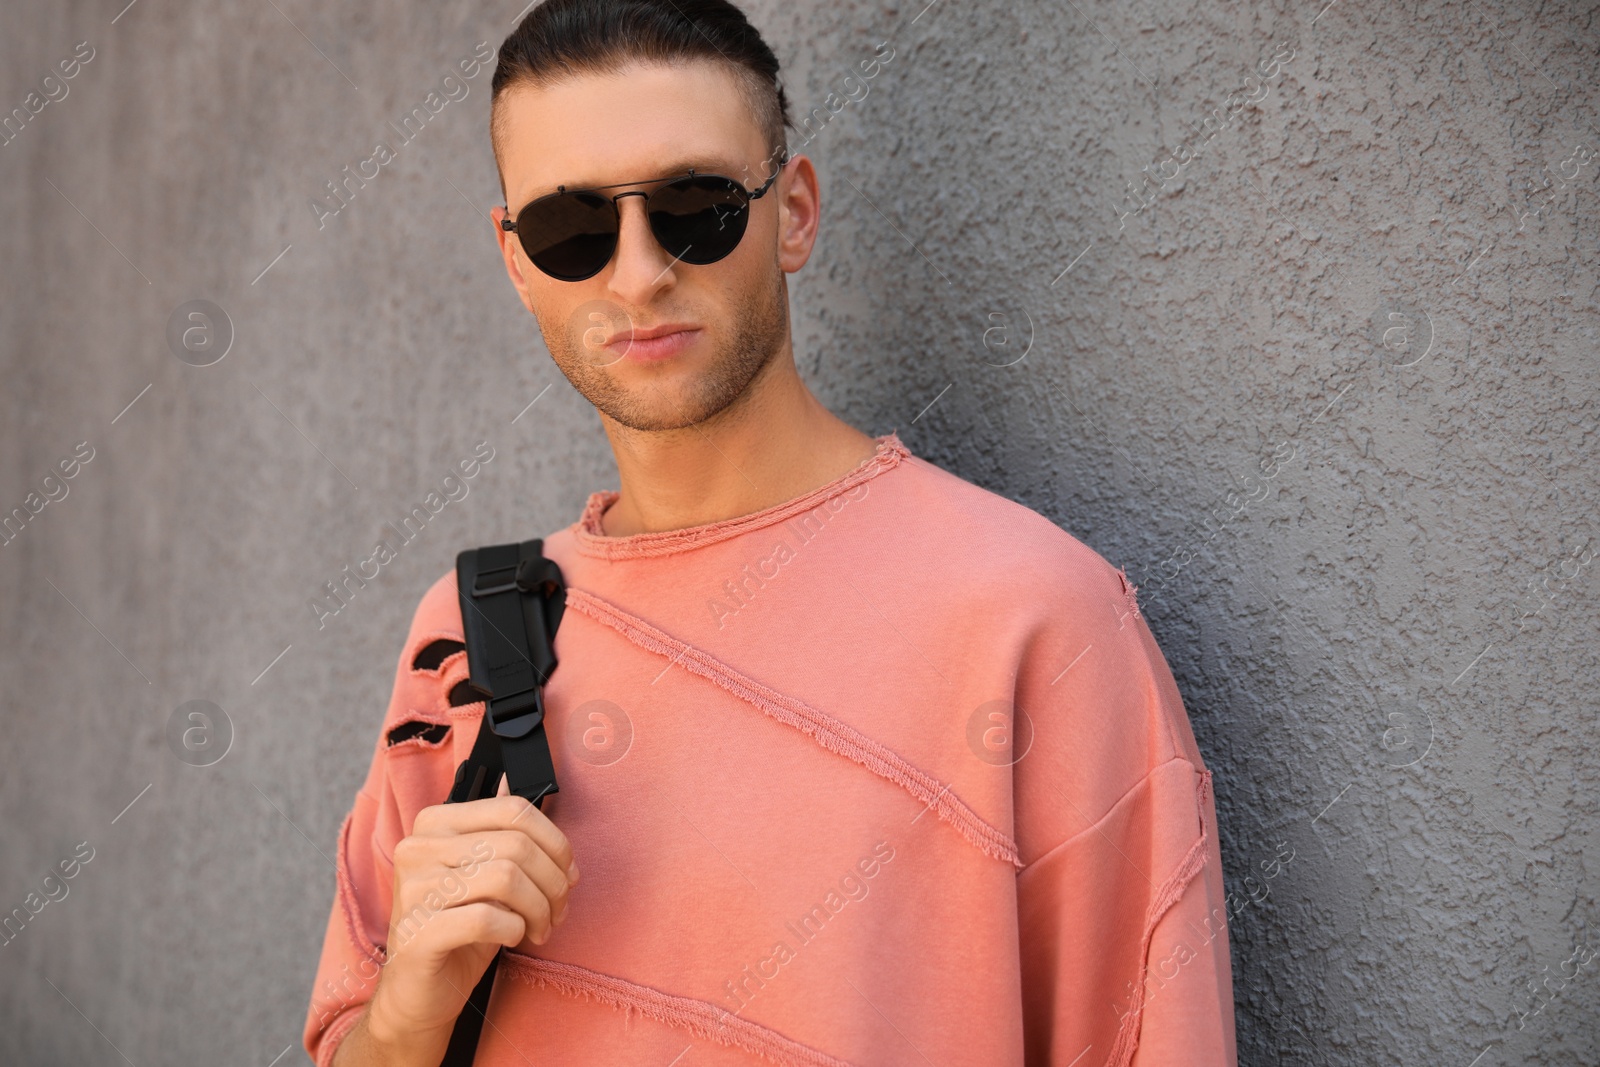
(697,218)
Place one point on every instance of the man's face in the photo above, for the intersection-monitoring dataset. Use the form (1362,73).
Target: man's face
(651,121)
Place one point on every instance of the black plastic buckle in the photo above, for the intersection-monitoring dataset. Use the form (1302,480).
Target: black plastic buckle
(517,714)
(508,582)
(520,577)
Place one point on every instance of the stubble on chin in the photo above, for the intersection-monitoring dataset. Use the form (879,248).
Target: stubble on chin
(760,327)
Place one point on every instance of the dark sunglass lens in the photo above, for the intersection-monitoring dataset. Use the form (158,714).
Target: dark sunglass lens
(699,220)
(570,236)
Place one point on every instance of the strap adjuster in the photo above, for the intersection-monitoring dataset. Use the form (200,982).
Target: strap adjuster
(521,577)
(499,580)
(516,714)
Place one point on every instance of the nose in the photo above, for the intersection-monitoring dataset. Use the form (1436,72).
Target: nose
(642,267)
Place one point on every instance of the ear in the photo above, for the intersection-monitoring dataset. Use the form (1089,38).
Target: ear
(799,212)
(517,266)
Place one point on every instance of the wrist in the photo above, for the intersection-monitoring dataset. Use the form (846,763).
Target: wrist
(397,1034)
(380,1029)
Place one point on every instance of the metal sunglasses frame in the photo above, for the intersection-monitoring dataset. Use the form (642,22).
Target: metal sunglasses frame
(509,224)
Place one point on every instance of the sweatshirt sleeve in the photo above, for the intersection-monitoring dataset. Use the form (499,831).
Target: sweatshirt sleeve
(411,767)
(1122,922)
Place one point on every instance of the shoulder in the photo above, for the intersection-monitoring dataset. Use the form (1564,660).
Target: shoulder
(1003,548)
(1102,706)
(434,634)
(439,610)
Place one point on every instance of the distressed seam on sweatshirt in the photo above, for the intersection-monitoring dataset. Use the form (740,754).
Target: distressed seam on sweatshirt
(1096,826)
(336,1032)
(347,897)
(697,1016)
(827,731)
(1193,862)
(590,540)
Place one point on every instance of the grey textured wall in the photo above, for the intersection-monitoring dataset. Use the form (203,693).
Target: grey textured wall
(1324,382)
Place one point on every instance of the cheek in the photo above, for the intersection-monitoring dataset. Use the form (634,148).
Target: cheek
(576,330)
(761,245)
(747,292)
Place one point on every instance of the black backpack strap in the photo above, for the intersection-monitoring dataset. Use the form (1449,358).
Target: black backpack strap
(512,599)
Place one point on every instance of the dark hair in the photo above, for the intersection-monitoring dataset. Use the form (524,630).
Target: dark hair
(562,38)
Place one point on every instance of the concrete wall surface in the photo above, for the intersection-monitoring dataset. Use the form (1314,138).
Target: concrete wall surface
(1288,309)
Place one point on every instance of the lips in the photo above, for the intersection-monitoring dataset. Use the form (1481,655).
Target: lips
(653,332)
(655,343)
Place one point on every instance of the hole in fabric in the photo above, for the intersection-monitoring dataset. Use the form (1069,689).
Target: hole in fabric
(463,694)
(434,654)
(430,732)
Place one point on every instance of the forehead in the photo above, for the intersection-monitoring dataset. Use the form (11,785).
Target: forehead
(644,121)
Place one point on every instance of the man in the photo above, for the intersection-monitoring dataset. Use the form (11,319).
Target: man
(862,763)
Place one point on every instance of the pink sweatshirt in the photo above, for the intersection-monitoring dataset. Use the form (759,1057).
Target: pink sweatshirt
(892,773)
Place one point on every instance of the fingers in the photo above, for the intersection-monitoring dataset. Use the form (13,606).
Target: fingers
(502,865)
(521,881)
(505,882)
(439,933)
(538,867)
(501,852)
(507,812)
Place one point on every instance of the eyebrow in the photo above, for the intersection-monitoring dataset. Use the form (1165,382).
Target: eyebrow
(701,164)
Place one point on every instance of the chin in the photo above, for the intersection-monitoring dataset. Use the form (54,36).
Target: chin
(653,410)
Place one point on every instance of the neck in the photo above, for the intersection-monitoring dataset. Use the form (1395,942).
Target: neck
(775,443)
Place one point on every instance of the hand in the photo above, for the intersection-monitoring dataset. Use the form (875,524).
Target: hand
(471,878)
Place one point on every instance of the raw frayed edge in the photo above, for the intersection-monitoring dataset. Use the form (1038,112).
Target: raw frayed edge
(335,1034)
(1130,593)
(432,719)
(374,952)
(686,1013)
(340,1028)
(590,541)
(1193,862)
(429,689)
(827,731)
